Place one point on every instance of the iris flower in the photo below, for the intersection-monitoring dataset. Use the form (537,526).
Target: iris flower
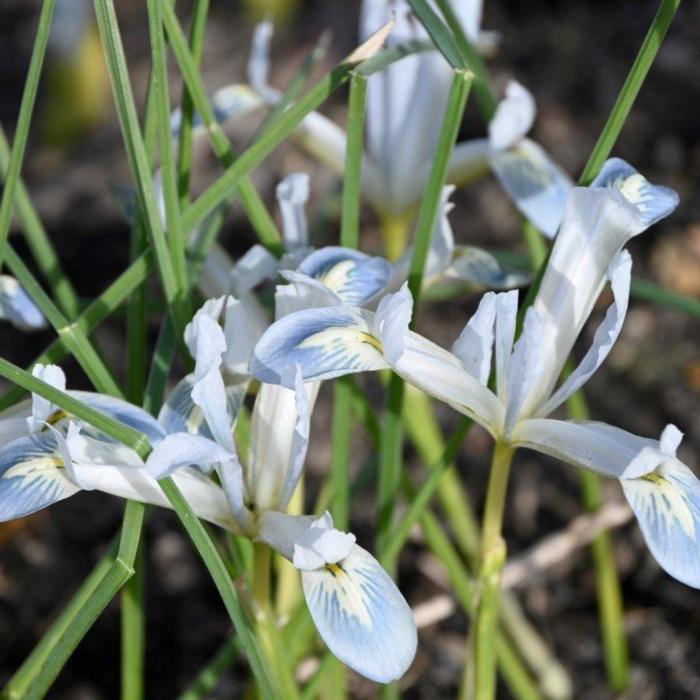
(359,612)
(404,107)
(587,254)
(355,605)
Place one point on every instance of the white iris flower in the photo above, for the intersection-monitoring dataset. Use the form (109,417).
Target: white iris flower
(587,253)
(358,610)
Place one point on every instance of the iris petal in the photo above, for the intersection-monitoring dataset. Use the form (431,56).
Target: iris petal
(362,616)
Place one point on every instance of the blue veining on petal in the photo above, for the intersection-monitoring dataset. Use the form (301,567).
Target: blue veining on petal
(667,505)
(354,276)
(32,476)
(325,343)
(654,202)
(362,616)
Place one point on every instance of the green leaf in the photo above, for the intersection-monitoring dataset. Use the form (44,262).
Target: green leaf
(440,34)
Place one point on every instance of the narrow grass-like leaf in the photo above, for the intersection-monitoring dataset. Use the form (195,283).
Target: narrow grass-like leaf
(200,13)
(352,183)
(440,34)
(392,435)
(255,208)
(421,501)
(138,160)
(73,336)
(39,242)
(24,119)
(275,133)
(217,569)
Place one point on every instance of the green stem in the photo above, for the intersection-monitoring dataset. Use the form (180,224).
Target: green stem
(492,558)
(133,624)
(267,630)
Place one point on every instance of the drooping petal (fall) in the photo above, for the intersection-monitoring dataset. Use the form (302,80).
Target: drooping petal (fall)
(324,343)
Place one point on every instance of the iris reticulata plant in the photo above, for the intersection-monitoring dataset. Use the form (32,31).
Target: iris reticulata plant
(228,443)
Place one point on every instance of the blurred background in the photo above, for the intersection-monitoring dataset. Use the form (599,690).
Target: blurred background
(573,56)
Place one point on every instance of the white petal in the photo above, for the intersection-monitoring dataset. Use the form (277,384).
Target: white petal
(666,502)
(597,224)
(310,543)
(469,161)
(506,317)
(182,450)
(405,104)
(32,476)
(17,307)
(596,446)
(527,368)
(534,182)
(254,267)
(229,102)
(259,61)
(362,616)
(620,275)
(43,408)
(278,443)
(208,341)
(670,440)
(429,367)
(475,343)
(513,118)
(292,194)
(391,322)
(303,292)
(325,343)
(243,327)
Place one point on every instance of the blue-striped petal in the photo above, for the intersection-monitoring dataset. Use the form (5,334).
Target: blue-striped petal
(354,276)
(535,183)
(654,202)
(324,343)
(666,502)
(32,476)
(362,616)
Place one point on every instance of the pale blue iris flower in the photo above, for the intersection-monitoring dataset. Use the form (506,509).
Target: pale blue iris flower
(358,610)
(47,457)
(587,254)
(404,109)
